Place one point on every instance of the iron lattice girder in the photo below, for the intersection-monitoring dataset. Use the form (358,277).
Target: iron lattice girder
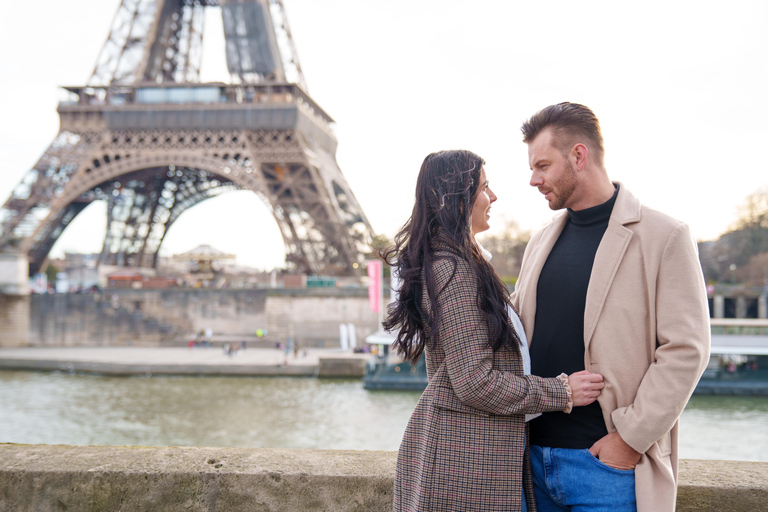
(142,120)
(161,41)
(323,226)
(144,204)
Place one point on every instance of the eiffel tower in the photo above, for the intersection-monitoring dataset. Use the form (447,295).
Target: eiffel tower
(146,136)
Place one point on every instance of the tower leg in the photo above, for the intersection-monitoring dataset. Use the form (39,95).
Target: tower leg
(14,300)
(14,274)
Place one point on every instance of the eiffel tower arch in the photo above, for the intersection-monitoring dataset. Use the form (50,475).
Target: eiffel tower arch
(151,140)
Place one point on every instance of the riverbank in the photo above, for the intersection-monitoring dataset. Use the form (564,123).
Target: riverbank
(208,361)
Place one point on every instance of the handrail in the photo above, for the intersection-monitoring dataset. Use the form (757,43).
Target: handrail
(738,322)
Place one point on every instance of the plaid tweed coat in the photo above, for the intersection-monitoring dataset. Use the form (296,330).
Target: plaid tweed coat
(464,447)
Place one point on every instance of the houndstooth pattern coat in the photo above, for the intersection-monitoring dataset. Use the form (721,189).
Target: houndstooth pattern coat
(464,447)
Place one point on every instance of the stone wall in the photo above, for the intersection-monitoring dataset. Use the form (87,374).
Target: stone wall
(152,317)
(97,478)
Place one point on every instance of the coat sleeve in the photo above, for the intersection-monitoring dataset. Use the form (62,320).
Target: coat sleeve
(469,360)
(682,346)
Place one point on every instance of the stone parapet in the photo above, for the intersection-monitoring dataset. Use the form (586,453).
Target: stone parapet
(169,479)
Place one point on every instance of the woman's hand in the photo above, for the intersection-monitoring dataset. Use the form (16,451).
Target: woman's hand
(585,387)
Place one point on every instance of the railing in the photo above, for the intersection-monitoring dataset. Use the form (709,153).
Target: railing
(739,326)
(191,94)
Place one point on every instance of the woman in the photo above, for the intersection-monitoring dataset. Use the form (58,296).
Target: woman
(464,447)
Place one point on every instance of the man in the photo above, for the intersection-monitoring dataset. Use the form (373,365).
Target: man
(615,288)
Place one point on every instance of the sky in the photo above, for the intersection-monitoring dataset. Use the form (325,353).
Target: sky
(678,88)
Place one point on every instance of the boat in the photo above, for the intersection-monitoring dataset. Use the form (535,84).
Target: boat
(385,371)
(738,362)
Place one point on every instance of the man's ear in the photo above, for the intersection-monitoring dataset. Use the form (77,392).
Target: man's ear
(579,155)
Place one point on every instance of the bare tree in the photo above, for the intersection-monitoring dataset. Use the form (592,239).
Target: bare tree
(723,259)
(755,272)
(507,247)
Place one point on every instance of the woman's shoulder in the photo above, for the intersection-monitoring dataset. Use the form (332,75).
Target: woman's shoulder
(448,264)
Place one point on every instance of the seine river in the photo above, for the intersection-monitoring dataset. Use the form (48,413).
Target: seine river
(60,408)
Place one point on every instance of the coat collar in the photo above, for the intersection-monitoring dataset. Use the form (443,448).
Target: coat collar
(626,210)
(613,246)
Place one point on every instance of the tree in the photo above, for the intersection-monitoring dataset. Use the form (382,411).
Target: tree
(748,237)
(755,272)
(753,213)
(507,248)
(50,274)
(751,234)
(723,259)
(378,243)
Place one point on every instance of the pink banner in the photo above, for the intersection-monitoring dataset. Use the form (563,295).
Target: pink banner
(374,284)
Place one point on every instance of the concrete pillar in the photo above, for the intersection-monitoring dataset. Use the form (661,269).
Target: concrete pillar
(741,307)
(762,306)
(719,306)
(14,274)
(14,299)
(14,320)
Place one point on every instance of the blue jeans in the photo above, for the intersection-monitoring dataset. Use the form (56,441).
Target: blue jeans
(524,504)
(574,480)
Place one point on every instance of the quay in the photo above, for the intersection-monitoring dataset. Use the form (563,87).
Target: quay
(210,361)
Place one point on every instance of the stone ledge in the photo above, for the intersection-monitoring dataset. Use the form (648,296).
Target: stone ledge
(347,366)
(96,478)
(722,486)
(126,369)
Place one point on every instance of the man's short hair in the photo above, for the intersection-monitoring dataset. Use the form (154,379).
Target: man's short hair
(570,122)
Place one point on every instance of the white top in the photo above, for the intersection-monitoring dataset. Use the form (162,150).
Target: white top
(524,351)
(518,325)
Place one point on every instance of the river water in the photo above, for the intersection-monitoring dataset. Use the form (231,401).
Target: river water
(62,408)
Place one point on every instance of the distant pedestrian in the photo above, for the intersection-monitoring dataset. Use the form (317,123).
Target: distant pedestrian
(286,351)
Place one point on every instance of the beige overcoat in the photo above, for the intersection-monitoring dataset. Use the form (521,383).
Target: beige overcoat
(646,330)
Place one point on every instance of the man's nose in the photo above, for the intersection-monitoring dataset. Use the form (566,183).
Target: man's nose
(535,180)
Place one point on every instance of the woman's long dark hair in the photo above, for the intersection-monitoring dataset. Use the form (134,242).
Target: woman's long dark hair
(446,190)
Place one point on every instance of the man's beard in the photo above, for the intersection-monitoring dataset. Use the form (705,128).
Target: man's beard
(564,189)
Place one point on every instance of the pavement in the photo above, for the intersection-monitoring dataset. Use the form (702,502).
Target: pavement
(180,361)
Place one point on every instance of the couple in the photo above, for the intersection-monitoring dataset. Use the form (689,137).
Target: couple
(610,300)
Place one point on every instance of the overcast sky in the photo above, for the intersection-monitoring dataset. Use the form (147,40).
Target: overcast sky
(678,88)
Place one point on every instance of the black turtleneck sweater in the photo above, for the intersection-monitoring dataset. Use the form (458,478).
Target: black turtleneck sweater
(558,334)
